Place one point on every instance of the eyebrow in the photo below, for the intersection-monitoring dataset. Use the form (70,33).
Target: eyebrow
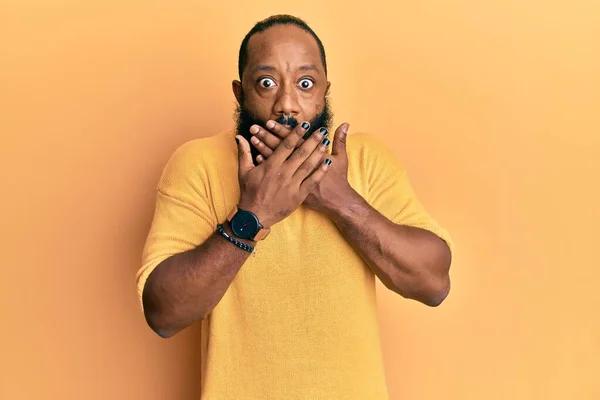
(263,68)
(311,67)
(269,68)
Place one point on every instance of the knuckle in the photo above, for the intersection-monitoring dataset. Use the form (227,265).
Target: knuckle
(268,167)
(280,176)
(311,183)
(302,152)
(307,167)
(288,145)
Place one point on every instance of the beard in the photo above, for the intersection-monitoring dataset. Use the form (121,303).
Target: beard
(245,119)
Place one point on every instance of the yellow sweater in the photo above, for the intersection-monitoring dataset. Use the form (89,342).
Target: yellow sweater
(299,320)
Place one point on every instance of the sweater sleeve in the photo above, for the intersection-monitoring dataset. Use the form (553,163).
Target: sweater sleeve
(390,191)
(183,216)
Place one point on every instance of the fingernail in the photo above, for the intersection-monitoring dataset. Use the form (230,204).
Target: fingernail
(326,142)
(305,125)
(270,124)
(323,131)
(345,128)
(254,129)
(328,161)
(254,140)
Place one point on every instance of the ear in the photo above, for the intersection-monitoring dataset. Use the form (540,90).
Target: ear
(238,92)
(328,88)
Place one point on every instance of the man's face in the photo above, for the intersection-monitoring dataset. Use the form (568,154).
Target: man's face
(284,80)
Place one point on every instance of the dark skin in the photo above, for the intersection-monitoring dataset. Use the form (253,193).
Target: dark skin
(285,75)
(186,287)
(412,262)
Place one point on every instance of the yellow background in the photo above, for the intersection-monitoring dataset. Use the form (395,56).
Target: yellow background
(493,106)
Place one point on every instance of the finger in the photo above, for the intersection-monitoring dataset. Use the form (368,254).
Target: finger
(280,130)
(313,144)
(244,156)
(339,142)
(321,160)
(322,130)
(313,161)
(288,145)
(261,147)
(260,159)
(308,134)
(314,179)
(269,139)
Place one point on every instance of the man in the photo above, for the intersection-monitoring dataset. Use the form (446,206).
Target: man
(297,319)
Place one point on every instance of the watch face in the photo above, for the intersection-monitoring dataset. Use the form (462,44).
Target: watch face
(244,225)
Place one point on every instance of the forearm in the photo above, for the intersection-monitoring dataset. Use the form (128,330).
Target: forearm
(410,261)
(186,287)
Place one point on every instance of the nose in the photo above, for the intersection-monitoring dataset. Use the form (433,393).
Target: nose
(286,102)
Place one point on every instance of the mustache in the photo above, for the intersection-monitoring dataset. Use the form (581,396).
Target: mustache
(245,118)
(285,120)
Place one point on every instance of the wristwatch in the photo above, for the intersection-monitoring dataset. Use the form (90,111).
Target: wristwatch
(245,225)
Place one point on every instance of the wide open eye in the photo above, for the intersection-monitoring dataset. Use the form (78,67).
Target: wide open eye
(266,82)
(306,83)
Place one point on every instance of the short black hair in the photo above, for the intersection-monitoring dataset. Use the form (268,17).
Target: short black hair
(281,19)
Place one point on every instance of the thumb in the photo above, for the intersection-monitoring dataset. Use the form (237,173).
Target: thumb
(244,155)
(339,142)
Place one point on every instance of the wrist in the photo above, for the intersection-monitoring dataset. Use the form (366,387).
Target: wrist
(227,228)
(245,224)
(353,208)
(261,215)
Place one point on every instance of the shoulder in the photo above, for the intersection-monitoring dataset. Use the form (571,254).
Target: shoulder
(196,155)
(194,151)
(370,150)
(366,143)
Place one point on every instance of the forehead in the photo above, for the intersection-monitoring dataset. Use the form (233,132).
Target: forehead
(283,45)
